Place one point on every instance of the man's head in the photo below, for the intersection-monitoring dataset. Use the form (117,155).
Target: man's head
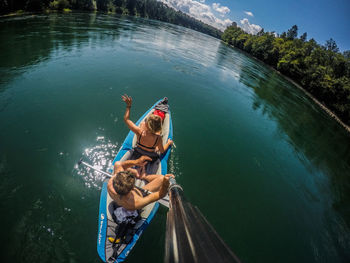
(123,182)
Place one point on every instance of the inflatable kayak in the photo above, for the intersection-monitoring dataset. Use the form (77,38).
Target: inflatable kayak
(116,240)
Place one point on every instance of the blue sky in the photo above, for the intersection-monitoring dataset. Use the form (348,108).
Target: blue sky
(321,19)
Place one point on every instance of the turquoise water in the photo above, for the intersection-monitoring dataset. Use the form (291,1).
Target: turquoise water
(263,163)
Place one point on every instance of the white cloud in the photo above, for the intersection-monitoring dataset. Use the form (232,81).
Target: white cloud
(249,13)
(200,11)
(248,27)
(223,10)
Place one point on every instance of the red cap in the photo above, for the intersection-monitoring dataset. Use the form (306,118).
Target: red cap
(160,113)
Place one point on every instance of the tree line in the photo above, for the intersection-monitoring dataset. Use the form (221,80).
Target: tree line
(320,69)
(152,9)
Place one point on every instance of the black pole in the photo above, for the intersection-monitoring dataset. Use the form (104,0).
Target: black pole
(189,236)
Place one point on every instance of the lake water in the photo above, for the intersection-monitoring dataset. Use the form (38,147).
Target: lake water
(265,165)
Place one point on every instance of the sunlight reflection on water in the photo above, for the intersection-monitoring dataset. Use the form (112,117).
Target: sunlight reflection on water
(268,146)
(100,156)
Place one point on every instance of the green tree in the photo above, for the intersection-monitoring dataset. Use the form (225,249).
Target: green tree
(283,35)
(321,70)
(102,5)
(292,32)
(303,37)
(331,45)
(346,54)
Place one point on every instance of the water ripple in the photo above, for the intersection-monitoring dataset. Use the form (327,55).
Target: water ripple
(33,240)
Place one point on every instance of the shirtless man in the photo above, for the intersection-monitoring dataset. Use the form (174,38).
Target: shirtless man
(121,186)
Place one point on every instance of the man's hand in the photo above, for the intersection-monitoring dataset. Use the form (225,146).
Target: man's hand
(142,161)
(164,188)
(142,172)
(134,172)
(127,99)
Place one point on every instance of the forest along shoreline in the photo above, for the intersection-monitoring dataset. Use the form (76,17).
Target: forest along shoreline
(151,9)
(326,82)
(322,106)
(321,72)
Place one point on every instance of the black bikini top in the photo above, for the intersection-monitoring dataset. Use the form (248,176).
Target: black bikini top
(151,148)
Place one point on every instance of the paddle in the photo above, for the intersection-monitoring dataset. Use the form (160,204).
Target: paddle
(189,236)
(162,201)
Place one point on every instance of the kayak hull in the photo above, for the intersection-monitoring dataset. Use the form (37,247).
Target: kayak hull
(108,251)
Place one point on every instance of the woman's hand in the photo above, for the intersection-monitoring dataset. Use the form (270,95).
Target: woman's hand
(132,126)
(127,100)
(170,142)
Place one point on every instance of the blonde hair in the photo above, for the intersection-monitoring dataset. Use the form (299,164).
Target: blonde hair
(154,123)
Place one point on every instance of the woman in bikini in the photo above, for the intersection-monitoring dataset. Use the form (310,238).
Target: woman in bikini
(149,139)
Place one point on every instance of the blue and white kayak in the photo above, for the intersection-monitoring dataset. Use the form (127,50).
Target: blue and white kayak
(107,249)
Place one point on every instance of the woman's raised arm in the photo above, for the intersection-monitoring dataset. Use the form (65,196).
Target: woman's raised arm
(132,126)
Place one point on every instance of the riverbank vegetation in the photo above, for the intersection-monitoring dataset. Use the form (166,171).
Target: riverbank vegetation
(320,69)
(152,9)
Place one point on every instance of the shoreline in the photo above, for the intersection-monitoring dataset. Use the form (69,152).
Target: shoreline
(321,105)
(30,13)
(16,14)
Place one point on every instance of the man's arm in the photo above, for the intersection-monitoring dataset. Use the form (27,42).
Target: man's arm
(110,190)
(142,202)
(122,166)
(133,203)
